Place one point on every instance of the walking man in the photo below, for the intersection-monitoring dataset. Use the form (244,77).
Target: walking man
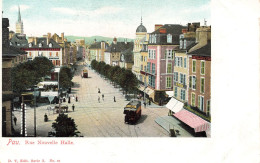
(114,99)
(15,120)
(98,90)
(76,98)
(103,97)
(144,104)
(73,107)
(98,99)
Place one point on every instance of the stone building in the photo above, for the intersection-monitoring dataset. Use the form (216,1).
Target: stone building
(11,56)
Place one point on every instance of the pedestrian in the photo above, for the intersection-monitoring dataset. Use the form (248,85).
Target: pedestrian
(98,90)
(73,107)
(64,99)
(103,97)
(69,100)
(144,104)
(98,99)
(114,99)
(76,98)
(15,120)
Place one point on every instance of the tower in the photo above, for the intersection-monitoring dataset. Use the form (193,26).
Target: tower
(19,23)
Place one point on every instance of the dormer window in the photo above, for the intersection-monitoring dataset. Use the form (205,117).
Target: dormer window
(169,38)
(181,44)
(50,45)
(30,45)
(40,45)
(185,44)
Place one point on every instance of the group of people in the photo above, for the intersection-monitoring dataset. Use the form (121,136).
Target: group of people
(103,96)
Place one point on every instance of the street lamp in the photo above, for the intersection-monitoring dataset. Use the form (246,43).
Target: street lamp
(34,94)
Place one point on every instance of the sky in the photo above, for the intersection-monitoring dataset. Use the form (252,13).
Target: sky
(113,18)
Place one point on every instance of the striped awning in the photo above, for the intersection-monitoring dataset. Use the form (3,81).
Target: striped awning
(192,120)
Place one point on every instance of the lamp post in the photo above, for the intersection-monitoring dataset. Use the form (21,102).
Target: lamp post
(59,89)
(34,112)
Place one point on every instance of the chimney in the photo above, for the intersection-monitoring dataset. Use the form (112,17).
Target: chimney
(62,36)
(49,35)
(184,31)
(157,26)
(114,40)
(35,40)
(48,40)
(162,30)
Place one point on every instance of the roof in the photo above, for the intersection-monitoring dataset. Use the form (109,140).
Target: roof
(141,28)
(203,51)
(43,40)
(5,22)
(97,45)
(119,47)
(161,34)
(171,28)
(127,55)
(19,39)
(11,51)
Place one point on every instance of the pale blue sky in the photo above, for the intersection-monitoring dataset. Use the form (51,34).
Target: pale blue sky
(102,17)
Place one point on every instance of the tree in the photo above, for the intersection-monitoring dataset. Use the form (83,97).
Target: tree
(128,81)
(65,126)
(65,77)
(43,66)
(27,74)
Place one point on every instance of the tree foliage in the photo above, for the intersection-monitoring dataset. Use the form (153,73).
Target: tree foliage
(27,74)
(65,126)
(125,78)
(65,77)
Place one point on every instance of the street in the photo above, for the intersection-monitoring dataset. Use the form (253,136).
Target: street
(94,118)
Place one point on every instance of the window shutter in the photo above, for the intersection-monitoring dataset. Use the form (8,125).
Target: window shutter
(190,81)
(199,102)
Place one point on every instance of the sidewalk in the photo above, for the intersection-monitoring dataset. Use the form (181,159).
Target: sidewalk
(169,122)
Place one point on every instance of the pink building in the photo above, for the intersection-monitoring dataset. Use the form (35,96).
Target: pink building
(162,43)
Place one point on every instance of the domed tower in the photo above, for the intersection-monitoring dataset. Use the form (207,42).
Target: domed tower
(140,31)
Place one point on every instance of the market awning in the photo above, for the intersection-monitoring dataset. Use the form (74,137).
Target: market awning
(192,120)
(174,105)
(46,94)
(169,93)
(148,91)
(47,83)
(141,88)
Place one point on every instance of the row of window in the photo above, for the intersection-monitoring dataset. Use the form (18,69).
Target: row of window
(180,62)
(50,54)
(19,59)
(183,93)
(149,67)
(40,45)
(182,78)
(143,58)
(193,81)
(154,36)
(169,54)
(151,54)
(202,67)
(200,103)
(151,81)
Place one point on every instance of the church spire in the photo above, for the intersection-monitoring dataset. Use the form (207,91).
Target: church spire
(19,14)
(141,20)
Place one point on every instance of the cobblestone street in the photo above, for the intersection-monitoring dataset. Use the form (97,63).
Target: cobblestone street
(98,119)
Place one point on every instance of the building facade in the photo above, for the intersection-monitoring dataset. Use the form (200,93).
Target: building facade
(162,43)
(138,45)
(11,56)
(97,50)
(44,47)
(200,79)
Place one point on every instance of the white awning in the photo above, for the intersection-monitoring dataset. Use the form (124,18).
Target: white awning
(46,94)
(169,93)
(48,83)
(174,105)
(56,69)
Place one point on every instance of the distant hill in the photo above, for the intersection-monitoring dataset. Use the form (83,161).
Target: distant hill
(90,40)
